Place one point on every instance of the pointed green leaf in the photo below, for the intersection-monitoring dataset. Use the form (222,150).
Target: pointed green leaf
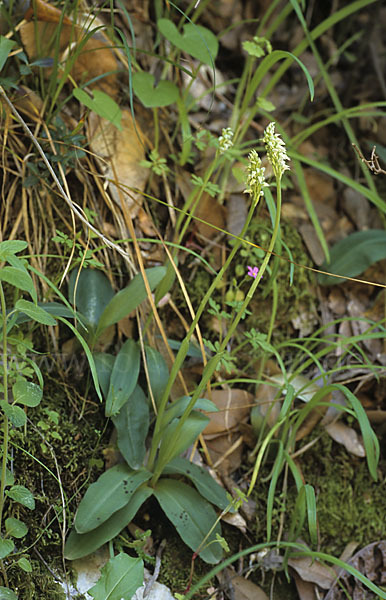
(124,377)
(128,299)
(178,407)
(35,312)
(109,493)
(27,393)
(104,363)
(93,293)
(171,445)
(6,46)
(201,479)
(11,247)
(354,254)
(102,104)
(192,516)
(22,495)
(120,578)
(79,545)
(20,279)
(158,372)
(132,424)
(15,528)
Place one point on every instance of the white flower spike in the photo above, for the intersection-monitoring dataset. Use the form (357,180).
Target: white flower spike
(226,139)
(276,151)
(255,177)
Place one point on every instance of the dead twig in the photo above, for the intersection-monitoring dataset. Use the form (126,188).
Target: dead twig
(373,163)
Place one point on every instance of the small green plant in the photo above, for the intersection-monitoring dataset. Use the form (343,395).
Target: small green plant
(17,394)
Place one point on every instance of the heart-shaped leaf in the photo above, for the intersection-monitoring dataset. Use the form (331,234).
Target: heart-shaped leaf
(102,104)
(165,93)
(354,254)
(196,40)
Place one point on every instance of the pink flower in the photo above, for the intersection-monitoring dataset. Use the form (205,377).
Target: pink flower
(252,271)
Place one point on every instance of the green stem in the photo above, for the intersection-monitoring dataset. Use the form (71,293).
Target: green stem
(5,399)
(185,344)
(213,362)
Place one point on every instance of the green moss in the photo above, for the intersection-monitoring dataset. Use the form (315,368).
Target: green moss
(350,505)
(54,423)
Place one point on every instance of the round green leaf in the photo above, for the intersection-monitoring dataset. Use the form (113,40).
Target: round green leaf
(24,564)
(27,393)
(6,547)
(7,594)
(22,495)
(14,413)
(16,528)
(120,578)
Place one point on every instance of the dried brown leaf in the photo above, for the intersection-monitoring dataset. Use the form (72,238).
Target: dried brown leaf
(120,153)
(233,406)
(244,589)
(313,571)
(347,436)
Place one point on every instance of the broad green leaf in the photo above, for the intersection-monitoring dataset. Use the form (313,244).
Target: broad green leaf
(124,377)
(128,299)
(6,46)
(79,545)
(7,594)
(104,365)
(109,493)
(102,104)
(14,413)
(93,293)
(171,445)
(6,547)
(354,254)
(201,479)
(165,93)
(10,247)
(158,372)
(24,564)
(132,424)
(120,578)
(20,279)
(192,516)
(27,393)
(15,528)
(198,41)
(22,495)
(178,407)
(35,312)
